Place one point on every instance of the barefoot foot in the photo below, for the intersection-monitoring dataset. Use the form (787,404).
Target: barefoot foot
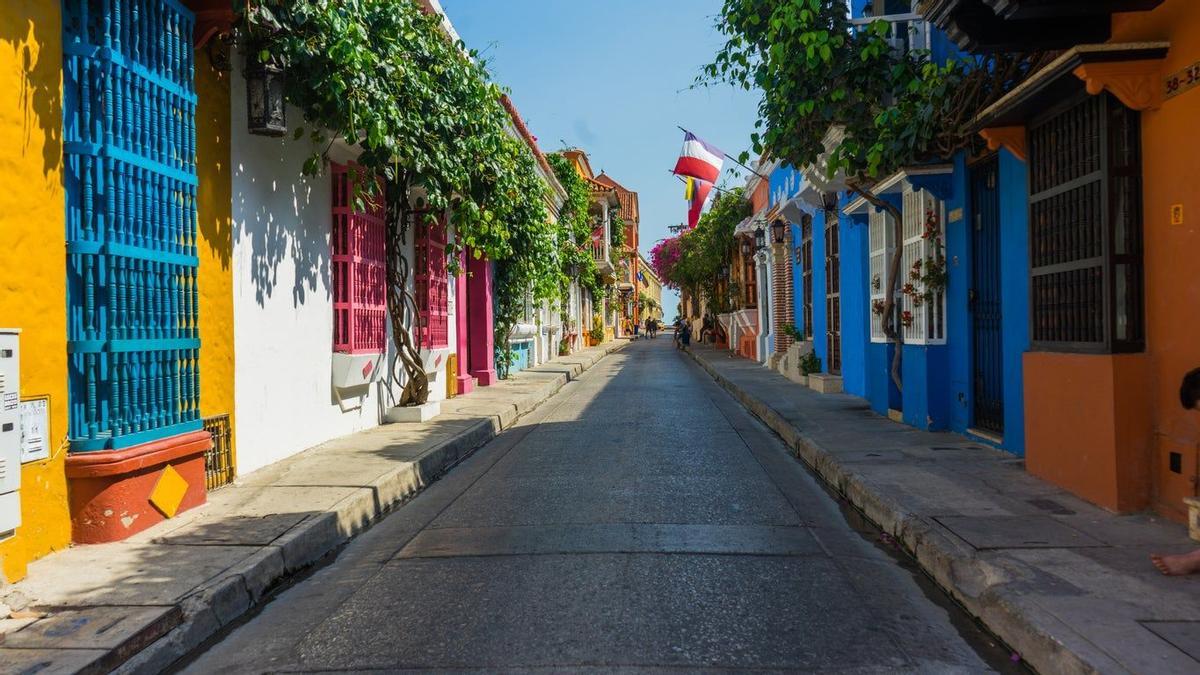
(1177,565)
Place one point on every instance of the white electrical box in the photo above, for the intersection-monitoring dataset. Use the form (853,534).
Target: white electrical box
(10,430)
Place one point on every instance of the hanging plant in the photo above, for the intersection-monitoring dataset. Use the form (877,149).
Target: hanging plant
(877,307)
(906,318)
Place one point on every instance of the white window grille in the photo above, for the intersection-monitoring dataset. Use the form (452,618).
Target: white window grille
(923,314)
(881,241)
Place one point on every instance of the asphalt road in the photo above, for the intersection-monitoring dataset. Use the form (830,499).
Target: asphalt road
(640,520)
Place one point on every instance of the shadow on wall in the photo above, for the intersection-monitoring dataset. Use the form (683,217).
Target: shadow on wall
(40,83)
(279,214)
(212,158)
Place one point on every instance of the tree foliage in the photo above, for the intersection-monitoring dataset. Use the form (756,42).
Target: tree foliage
(693,259)
(576,228)
(817,71)
(384,76)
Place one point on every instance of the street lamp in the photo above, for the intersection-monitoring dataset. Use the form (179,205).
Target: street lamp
(778,229)
(760,238)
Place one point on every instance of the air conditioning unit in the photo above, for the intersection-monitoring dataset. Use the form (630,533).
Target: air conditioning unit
(10,431)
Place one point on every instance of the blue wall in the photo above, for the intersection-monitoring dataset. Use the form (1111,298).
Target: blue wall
(820,341)
(958,315)
(797,280)
(1014,289)
(856,306)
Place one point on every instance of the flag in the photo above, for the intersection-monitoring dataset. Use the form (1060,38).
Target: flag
(700,195)
(699,159)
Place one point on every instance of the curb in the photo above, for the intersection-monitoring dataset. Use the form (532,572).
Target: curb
(223,600)
(978,585)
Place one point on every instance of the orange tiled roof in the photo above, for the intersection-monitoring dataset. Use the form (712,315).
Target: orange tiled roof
(597,186)
(627,198)
(575,154)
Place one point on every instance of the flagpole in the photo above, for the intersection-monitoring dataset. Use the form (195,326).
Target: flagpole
(730,157)
(684,181)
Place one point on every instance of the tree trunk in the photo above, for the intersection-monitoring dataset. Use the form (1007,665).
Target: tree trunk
(888,319)
(402,305)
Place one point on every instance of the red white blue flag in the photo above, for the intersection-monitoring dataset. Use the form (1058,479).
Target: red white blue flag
(699,159)
(698,192)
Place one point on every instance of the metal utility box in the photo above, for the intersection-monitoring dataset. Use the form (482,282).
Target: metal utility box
(10,430)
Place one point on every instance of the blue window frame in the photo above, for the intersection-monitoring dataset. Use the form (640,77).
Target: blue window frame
(129,108)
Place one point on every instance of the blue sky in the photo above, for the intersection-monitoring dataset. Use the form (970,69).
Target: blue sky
(612,77)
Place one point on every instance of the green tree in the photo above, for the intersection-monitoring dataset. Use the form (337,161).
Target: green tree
(384,76)
(818,72)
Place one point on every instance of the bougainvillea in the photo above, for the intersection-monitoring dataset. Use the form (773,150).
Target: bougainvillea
(663,258)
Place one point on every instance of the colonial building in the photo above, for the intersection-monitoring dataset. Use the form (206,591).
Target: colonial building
(1090,177)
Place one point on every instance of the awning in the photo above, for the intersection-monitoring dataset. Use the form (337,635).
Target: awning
(1129,70)
(749,225)
(918,177)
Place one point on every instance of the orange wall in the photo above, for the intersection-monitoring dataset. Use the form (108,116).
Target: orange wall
(760,197)
(1087,425)
(1171,163)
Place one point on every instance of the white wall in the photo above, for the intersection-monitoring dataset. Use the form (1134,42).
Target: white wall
(283,302)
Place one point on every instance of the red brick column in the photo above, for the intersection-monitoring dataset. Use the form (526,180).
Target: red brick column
(781,296)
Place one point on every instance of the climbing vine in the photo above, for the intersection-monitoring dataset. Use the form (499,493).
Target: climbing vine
(382,75)
(575,232)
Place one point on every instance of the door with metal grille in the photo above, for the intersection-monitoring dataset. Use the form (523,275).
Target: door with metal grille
(129,132)
(987,351)
(833,296)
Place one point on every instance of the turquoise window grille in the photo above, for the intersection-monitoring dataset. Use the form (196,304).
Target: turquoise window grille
(129,108)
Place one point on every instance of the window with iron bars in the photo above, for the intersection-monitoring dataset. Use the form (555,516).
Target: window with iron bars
(430,281)
(359,266)
(1085,227)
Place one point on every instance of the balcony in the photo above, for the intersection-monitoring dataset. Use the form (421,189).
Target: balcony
(906,32)
(600,249)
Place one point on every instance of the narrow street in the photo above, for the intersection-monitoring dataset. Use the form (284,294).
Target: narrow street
(639,519)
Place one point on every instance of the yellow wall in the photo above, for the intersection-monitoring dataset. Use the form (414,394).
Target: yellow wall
(215,229)
(33,272)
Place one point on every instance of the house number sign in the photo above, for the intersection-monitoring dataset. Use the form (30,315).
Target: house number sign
(1177,83)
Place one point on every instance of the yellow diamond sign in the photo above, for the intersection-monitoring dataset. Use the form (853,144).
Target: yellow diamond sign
(168,492)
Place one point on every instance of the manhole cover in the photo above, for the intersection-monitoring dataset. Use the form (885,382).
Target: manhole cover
(991,532)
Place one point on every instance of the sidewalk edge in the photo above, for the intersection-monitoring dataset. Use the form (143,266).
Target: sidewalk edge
(225,599)
(978,585)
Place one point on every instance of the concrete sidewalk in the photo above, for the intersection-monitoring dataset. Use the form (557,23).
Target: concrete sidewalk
(1067,585)
(162,592)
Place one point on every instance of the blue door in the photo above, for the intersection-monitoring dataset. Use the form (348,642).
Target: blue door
(984,298)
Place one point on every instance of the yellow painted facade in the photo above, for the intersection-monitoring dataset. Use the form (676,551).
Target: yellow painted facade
(215,236)
(33,274)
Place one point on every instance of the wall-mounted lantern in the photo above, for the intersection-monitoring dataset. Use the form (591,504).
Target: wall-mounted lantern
(778,231)
(265,110)
(573,270)
(745,246)
(723,272)
(760,238)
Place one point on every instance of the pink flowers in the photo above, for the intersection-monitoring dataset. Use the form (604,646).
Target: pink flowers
(663,258)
